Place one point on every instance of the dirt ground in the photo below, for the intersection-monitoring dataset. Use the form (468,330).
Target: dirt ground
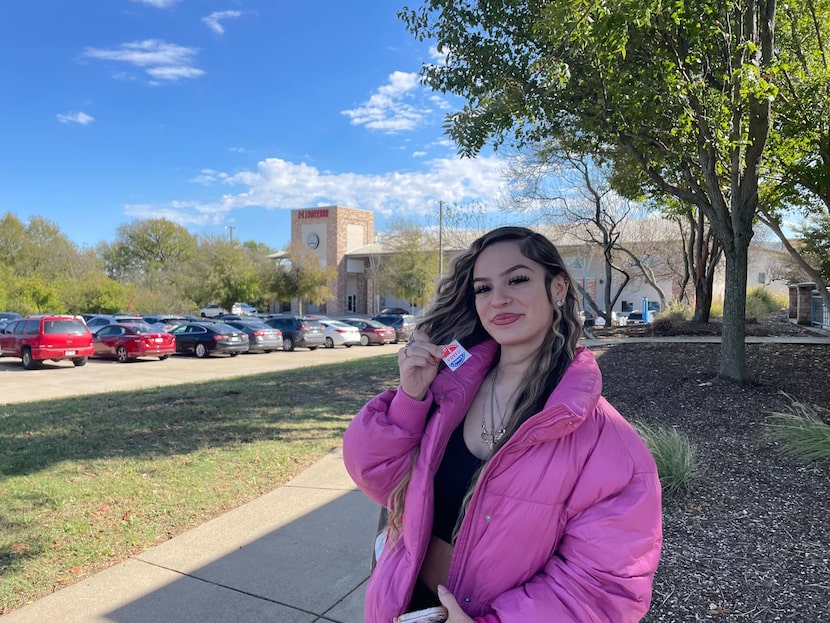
(751,540)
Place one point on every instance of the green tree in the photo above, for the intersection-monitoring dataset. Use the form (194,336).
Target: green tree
(222,273)
(258,254)
(303,277)
(797,175)
(35,295)
(681,90)
(815,236)
(42,258)
(150,247)
(412,267)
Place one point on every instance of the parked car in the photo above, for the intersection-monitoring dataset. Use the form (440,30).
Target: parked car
(261,337)
(635,318)
(298,331)
(55,337)
(127,342)
(394,310)
(102,320)
(244,309)
(206,338)
(7,317)
(212,310)
(165,322)
(372,331)
(339,333)
(588,318)
(404,325)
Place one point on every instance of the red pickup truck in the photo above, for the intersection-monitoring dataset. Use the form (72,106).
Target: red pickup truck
(38,338)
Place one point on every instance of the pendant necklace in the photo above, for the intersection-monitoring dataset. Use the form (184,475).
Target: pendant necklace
(488,437)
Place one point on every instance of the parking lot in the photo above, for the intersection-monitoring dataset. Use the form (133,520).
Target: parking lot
(62,379)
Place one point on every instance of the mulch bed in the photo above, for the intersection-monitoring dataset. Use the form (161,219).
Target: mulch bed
(751,540)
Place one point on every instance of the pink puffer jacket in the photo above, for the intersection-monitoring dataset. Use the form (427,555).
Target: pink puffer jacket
(564,526)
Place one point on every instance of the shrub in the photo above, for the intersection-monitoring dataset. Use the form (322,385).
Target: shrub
(716,309)
(676,312)
(674,454)
(760,302)
(802,432)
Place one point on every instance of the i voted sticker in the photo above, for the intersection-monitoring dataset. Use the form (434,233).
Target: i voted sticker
(455,355)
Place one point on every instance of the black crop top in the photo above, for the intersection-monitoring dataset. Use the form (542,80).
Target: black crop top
(452,481)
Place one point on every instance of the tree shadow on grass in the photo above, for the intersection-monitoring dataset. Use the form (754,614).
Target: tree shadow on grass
(182,419)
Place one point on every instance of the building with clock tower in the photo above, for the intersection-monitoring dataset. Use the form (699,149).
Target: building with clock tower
(332,232)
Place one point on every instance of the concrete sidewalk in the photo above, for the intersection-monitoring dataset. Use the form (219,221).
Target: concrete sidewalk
(299,554)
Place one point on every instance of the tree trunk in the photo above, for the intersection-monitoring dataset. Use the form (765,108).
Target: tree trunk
(704,285)
(704,253)
(733,350)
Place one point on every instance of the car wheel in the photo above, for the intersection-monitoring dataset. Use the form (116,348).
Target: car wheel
(287,344)
(329,343)
(201,351)
(121,354)
(233,354)
(79,361)
(28,362)
(347,345)
(163,357)
(364,339)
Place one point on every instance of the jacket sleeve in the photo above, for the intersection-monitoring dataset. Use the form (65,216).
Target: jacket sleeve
(379,442)
(603,568)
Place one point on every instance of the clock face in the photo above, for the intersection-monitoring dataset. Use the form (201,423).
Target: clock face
(313,241)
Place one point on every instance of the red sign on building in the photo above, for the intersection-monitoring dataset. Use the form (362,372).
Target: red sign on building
(310,214)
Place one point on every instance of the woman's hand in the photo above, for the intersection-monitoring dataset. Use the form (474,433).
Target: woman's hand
(418,364)
(454,612)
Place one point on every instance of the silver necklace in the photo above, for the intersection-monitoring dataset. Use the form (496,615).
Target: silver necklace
(488,437)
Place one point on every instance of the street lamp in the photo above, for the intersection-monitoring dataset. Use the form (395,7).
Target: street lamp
(440,238)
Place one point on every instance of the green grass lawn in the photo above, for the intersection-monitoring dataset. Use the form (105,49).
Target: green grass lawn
(86,482)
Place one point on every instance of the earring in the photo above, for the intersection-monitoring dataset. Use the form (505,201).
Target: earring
(559,302)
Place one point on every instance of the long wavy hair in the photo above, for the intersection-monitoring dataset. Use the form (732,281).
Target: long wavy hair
(452,315)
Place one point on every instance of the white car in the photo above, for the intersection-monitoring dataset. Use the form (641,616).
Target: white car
(243,309)
(213,310)
(339,333)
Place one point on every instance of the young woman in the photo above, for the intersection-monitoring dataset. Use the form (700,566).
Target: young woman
(516,493)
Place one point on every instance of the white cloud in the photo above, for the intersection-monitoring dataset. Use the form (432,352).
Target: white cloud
(160,4)
(439,56)
(280,185)
(161,60)
(81,118)
(214,20)
(388,109)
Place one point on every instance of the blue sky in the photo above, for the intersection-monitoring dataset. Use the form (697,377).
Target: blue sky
(218,114)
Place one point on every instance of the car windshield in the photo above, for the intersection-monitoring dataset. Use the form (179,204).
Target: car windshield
(375,324)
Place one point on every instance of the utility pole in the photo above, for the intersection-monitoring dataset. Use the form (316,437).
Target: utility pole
(230,229)
(440,238)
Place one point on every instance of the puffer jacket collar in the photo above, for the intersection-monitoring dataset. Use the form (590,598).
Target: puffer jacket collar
(567,407)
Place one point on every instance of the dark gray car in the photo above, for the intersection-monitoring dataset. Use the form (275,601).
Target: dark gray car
(298,331)
(261,337)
